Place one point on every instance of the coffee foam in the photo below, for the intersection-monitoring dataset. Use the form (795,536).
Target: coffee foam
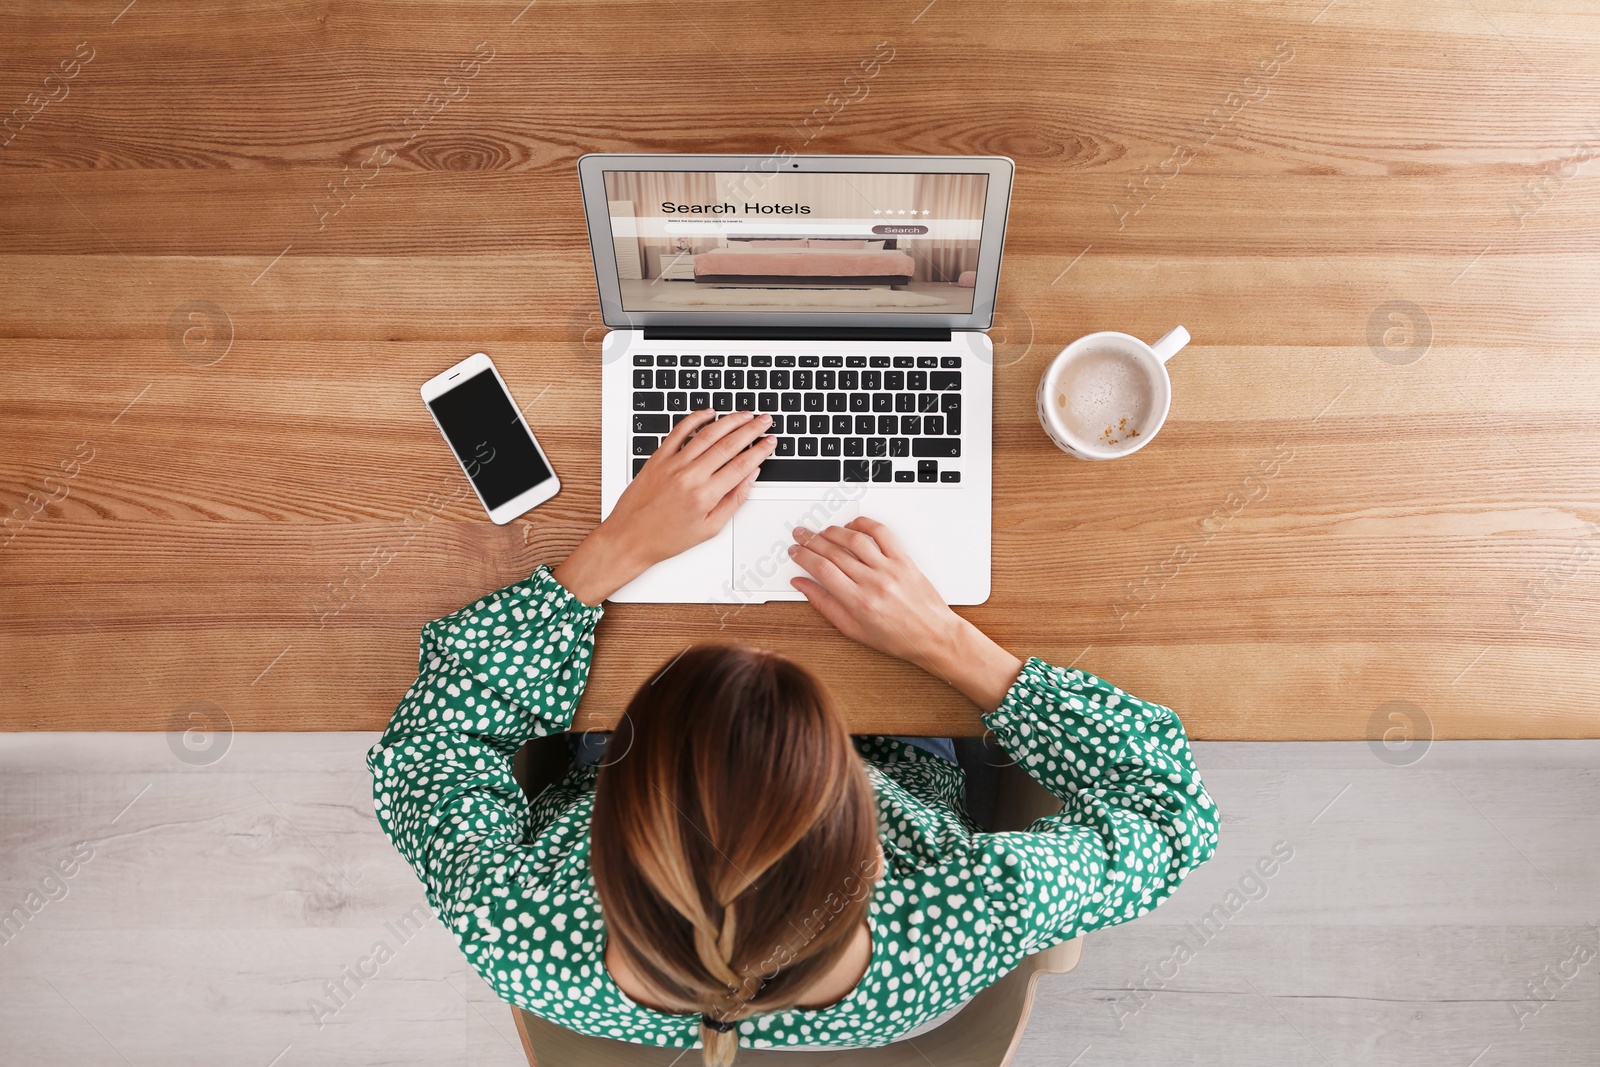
(1104,398)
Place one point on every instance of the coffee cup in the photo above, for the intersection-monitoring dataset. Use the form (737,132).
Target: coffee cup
(1107,394)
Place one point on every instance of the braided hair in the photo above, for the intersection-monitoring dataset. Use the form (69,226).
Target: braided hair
(734,843)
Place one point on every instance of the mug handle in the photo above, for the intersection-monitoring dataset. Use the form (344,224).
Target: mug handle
(1171,344)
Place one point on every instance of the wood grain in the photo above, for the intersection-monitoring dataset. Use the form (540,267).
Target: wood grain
(1428,535)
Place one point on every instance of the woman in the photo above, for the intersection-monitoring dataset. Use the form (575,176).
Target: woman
(740,871)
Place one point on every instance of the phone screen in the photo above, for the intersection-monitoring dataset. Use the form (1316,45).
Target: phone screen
(483,429)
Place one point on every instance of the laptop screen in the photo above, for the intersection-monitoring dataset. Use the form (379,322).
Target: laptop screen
(726,241)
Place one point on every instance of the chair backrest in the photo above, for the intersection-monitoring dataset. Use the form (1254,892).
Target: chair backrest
(985,1033)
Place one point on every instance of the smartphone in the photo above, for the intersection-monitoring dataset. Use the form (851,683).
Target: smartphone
(485,429)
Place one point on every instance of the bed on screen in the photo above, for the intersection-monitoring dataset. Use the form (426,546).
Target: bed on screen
(804,261)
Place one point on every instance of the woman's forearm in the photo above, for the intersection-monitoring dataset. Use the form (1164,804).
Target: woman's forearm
(602,563)
(973,663)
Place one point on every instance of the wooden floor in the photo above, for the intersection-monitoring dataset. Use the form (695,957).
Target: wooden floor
(1415,909)
(1374,510)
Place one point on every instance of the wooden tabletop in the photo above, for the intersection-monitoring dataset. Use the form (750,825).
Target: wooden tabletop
(235,238)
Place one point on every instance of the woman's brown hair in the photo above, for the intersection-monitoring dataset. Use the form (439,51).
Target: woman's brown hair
(735,838)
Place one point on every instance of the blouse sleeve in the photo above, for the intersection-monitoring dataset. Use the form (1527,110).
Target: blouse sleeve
(491,676)
(1135,820)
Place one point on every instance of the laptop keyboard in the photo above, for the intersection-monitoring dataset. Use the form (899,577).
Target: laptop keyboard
(835,418)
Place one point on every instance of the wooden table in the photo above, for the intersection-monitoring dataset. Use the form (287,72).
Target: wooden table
(234,238)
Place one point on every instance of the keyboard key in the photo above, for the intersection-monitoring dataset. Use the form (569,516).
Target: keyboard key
(951,363)
(927,470)
(790,401)
(944,447)
(665,379)
(666,361)
(814,401)
(916,379)
(810,361)
(783,361)
(910,424)
(905,476)
(799,470)
(944,379)
(744,401)
(808,446)
(830,446)
(688,379)
(882,470)
(784,447)
(825,379)
(849,379)
(855,361)
(860,401)
(900,447)
(769,401)
(853,446)
(927,402)
(819,424)
(905,403)
(878,361)
(738,361)
(643,361)
(642,379)
(688,361)
(651,424)
(927,361)
(894,379)
(795,424)
(638,465)
(644,446)
(802,380)
(756,379)
(733,379)
(866,424)
(710,379)
(761,361)
(842,424)
(722,401)
(699,401)
(838,402)
(882,401)
(872,379)
(833,361)
(950,403)
(877,446)
(904,361)
(933,425)
(677,401)
(949,476)
(715,361)
(856,470)
(678,417)
(779,378)
(649,401)
(888,425)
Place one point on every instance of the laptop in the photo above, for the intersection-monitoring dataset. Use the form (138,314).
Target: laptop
(845,295)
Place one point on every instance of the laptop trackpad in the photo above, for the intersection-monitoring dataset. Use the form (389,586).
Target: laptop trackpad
(762,536)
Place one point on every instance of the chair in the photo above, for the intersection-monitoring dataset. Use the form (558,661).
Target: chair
(985,1033)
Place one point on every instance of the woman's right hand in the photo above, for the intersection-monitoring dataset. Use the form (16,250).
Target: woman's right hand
(864,582)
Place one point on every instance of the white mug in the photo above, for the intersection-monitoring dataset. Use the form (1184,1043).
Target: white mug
(1151,358)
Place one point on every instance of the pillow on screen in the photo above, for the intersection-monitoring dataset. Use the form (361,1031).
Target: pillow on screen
(837,244)
(875,246)
(765,246)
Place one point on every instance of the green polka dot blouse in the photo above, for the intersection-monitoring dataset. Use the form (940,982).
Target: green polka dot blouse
(954,911)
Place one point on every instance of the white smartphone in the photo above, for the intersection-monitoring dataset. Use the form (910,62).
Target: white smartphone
(499,454)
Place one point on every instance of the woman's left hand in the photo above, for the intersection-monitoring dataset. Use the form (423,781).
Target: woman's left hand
(685,494)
